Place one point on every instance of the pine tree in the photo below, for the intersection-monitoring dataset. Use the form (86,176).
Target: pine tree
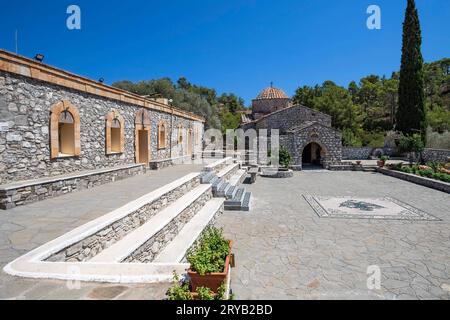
(411,113)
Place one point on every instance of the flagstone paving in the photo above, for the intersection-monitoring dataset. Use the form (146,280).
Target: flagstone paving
(285,251)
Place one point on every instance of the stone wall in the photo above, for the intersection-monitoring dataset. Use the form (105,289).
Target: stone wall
(25,105)
(29,193)
(327,138)
(286,119)
(94,244)
(265,106)
(363,153)
(437,155)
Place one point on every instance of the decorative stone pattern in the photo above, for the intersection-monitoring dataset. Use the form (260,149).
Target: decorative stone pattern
(149,250)
(94,244)
(366,208)
(26,194)
(25,105)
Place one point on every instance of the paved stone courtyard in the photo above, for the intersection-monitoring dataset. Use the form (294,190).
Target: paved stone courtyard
(285,251)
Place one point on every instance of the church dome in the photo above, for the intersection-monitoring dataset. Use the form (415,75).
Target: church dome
(272,93)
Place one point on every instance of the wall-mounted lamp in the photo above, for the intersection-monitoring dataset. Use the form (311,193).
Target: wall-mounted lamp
(101,80)
(39,57)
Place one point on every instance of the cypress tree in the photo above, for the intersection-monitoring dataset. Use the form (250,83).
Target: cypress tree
(411,113)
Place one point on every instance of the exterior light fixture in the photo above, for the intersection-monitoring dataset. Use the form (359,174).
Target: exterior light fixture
(101,80)
(39,57)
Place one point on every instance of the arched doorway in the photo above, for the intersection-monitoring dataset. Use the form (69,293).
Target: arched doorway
(312,155)
(142,137)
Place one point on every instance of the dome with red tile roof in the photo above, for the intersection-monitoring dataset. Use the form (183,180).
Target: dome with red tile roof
(272,93)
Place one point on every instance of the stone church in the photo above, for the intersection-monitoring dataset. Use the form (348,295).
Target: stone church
(307,134)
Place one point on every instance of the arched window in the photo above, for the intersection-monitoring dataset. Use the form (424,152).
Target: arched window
(162,135)
(64,130)
(115,136)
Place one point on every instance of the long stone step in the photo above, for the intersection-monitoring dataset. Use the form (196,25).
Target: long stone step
(228,170)
(238,178)
(176,250)
(134,240)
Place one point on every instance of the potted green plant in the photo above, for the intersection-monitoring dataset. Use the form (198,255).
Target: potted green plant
(285,159)
(413,146)
(180,291)
(209,260)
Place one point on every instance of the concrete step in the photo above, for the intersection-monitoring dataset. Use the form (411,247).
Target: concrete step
(135,239)
(228,170)
(222,191)
(231,192)
(176,250)
(218,184)
(246,202)
(237,200)
(207,177)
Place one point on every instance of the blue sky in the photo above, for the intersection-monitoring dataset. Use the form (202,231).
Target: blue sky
(233,46)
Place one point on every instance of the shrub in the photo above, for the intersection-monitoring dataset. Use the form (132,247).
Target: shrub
(426,173)
(205,293)
(411,144)
(285,157)
(384,158)
(210,253)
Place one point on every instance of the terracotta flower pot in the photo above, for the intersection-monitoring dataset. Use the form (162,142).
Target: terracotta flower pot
(381,163)
(211,280)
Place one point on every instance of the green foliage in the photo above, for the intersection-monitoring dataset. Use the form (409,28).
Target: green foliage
(384,158)
(432,173)
(439,118)
(179,290)
(285,157)
(229,120)
(412,143)
(205,293)
(438,140)
(350,139)
(210,253)
(411,113)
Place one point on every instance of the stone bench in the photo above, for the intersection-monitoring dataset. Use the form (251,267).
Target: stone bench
(26,192)
(164,163)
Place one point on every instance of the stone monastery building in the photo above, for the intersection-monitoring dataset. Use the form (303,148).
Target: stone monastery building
(53,123)
(306,133)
